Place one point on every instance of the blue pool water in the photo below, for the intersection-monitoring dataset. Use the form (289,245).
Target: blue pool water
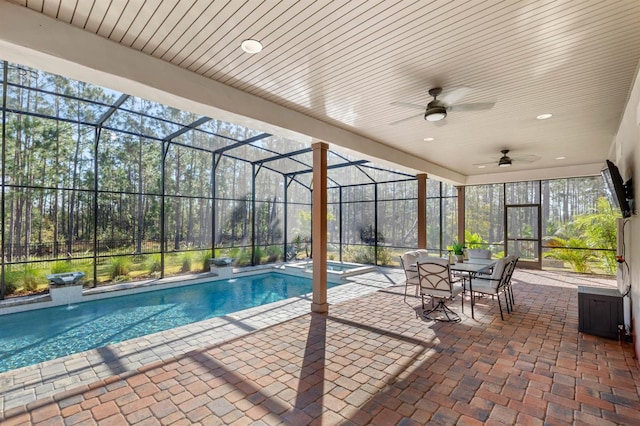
(342,267)
(30,337)
(337,267)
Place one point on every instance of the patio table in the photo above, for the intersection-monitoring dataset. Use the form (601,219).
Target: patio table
(472,267)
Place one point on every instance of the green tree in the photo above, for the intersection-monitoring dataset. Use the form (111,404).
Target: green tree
(472,240)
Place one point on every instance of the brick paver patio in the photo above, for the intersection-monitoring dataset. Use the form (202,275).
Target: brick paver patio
(372,360)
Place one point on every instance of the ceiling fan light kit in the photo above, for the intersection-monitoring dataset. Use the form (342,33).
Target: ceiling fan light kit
(436,113)
(435,110)
(505,160)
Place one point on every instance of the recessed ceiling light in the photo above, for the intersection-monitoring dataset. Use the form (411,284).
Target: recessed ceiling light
(481,167)
(428,139)
(251,46)
(544,116)
(560,158)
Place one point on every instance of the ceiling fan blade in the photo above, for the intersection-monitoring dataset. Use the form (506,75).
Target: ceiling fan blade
(408,105)
(488,163)
(454,94)
(528,158)
(413,117)
(481,106)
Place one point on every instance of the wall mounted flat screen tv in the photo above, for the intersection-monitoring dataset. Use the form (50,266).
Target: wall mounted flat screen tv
(620,193)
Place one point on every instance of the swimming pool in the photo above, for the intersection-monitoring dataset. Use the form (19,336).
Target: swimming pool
(27,338)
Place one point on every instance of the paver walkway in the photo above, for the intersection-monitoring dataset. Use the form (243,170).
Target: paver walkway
(371,360)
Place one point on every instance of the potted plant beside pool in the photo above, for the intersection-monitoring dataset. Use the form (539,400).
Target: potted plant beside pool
(458,250)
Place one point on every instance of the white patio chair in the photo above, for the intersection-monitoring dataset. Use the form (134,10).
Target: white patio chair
(493,284)
(478,253)
(408,261)
(436,282)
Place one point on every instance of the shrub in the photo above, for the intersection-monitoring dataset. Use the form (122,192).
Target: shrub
(187,261)
(154,263)
(119,267)
(205,260)
(10,281)
(384,256)
(243,257)
(9,287)
(257,256)
(274,253)
(367,255)
(26,279)
(359,254)
(120,278)
(31,277)
(61,266)
(300,245)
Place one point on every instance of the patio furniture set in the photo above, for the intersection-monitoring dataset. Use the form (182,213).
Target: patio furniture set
(442,280)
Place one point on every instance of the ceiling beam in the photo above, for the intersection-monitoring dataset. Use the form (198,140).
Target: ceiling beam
(536,174)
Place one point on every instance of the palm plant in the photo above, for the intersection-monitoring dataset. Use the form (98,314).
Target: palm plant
(599,230)
(571,251)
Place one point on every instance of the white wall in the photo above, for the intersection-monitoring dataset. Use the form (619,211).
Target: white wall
(625,153)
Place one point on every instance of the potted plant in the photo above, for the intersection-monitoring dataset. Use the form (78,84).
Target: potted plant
(458,250)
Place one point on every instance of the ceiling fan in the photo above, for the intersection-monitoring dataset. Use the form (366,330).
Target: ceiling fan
(507,161)
(437,109)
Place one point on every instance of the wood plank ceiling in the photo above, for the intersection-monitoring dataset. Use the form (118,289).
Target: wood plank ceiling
(346,62)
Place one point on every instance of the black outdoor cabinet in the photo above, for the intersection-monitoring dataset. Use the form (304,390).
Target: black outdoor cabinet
(600,311)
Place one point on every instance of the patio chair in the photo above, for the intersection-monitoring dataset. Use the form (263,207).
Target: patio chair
(479,253)
(436,282)
(513,261)
(408,261)
(493,284)
(475,254)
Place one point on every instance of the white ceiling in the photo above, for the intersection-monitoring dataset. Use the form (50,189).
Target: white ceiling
(346,62)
